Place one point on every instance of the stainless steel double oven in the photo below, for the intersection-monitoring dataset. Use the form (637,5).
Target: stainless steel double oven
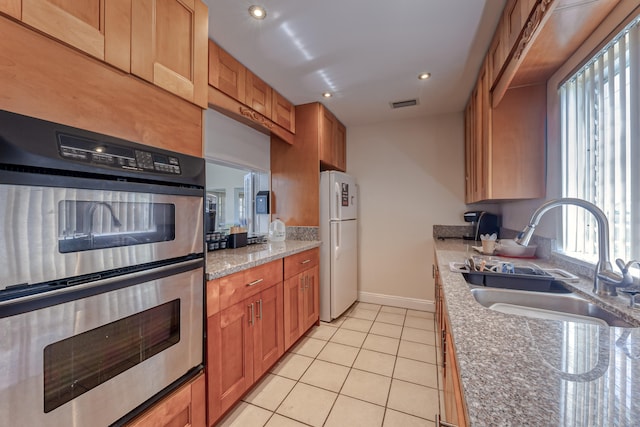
(101,274)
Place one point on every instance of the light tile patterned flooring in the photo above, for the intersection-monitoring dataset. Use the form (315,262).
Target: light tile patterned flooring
(374,366)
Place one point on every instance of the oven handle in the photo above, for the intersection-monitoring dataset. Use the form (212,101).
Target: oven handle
(34,302)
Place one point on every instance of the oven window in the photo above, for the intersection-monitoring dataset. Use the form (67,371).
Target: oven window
(87,225)
(76,365)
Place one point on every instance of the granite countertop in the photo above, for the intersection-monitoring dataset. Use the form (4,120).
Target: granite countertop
(516,370)
(227,261)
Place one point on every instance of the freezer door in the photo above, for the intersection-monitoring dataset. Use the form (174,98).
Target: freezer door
(344,266)
(344,197)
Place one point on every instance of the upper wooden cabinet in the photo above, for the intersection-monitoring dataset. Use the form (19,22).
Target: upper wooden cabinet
(320,143)
(240,94)
(283,112)
(11,7)
(505,117)
(169,46)
(258,95)
(537,36)
(331,141)
(226,73)
(504,147)
(99,28)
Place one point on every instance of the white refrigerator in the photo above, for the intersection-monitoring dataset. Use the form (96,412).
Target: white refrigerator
(339,249)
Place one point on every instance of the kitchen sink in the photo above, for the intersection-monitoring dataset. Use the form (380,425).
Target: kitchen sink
(543,305)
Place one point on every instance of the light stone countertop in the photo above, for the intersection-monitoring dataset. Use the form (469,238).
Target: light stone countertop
(518,371)
(227,261)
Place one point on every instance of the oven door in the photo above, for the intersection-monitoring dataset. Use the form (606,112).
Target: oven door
(89,355)
(54,233)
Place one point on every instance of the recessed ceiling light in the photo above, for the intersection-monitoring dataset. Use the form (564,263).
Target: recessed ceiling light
(257,12)
(327,94)
(424,76)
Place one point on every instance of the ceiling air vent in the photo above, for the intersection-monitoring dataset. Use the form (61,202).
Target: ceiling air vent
(407,103)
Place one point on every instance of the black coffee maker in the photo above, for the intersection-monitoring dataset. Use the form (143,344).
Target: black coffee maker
(481,223)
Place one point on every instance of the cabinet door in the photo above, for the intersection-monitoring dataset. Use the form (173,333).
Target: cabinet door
(182,408)
(226,73)
(283,112)
(11,8)
(268,343)
(293,299)
(258,95)
(230,355)
(98,27)
(169,46)
(310,303)
(326,135)
(340,147)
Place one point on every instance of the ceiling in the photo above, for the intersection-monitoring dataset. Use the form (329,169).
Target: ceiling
(368,54)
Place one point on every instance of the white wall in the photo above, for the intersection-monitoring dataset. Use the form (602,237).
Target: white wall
(233,142)
(411,176)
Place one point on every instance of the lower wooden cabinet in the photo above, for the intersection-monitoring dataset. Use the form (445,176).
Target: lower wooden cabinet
(455,413)
(252,317)
(184,407)
(245,337)
(301,295)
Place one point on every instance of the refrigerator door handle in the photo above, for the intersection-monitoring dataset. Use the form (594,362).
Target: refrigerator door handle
(337,192)
(337,239)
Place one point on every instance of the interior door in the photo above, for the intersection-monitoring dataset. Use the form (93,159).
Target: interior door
(344,265)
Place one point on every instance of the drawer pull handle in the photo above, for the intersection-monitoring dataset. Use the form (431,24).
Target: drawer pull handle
(306,261)
(255,282)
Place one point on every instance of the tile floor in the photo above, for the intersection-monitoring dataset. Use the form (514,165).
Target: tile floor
(374,366)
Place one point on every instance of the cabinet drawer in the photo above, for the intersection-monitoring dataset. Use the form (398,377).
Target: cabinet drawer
(297,263)
(241,285)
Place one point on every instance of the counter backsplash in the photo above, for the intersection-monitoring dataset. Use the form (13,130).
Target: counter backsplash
(303,233)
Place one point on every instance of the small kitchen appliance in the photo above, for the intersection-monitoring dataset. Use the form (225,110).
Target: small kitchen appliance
(481,223)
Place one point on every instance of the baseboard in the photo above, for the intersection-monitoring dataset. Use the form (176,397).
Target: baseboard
(396,301)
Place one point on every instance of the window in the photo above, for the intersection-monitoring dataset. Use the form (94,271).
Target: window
(600,125)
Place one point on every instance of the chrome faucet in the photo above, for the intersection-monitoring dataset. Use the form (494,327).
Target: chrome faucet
(605,280)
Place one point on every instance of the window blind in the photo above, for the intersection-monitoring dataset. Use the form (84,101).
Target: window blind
(600,128)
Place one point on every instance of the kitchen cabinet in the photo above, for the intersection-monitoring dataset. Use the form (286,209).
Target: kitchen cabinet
(283,112)
(505,117)
(12,8)
(301,294)
(240,94)
(505,145)
(331,141)
(538,36)
(99,28)
(455,412)
(320,144)
(169,46)
(258,95)
(51,81)
(185,407)
(226,73)
(244,333)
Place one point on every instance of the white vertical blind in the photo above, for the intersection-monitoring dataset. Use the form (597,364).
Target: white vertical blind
(600,126)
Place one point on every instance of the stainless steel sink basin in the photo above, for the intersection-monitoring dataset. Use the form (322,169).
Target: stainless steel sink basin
(542,305)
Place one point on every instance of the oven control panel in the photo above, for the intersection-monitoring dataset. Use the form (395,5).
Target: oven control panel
(116,156)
